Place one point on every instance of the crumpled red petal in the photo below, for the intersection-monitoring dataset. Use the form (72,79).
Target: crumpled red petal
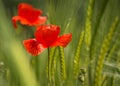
(14,20)
(47,34)
(27,15)
(33,46)
(22,21)
(40,20)
(28,12)
(62,40)
(24,5)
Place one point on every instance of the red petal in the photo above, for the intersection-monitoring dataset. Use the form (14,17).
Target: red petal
(40,20)
(33,46)
(18,18)
(26,11)
(24,5)
(62,40)
(30,15)
(22,21)
(47,34)
(14,20)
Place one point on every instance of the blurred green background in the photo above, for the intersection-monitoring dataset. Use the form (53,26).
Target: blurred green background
(18,68)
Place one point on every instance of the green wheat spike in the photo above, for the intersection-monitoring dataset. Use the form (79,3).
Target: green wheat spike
(88,24)
(53,55)
(52,52)
(77,55)
(88,28)
(96,25)
(54,65)
(57,75)
(50,63)
(111,51)
(104,49)
(104,78)
(62,64)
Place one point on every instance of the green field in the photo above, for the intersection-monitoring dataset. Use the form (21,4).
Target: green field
(92,58)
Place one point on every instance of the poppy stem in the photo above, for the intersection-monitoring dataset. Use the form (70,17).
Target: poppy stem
(37,67)
(49,79)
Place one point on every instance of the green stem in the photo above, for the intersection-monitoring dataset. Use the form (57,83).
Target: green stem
(37,67)
(49,79)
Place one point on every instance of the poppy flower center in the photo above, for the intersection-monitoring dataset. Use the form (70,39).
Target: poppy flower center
(47,35)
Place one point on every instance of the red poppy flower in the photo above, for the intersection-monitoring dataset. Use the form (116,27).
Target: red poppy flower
(46,36)
(27,15)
